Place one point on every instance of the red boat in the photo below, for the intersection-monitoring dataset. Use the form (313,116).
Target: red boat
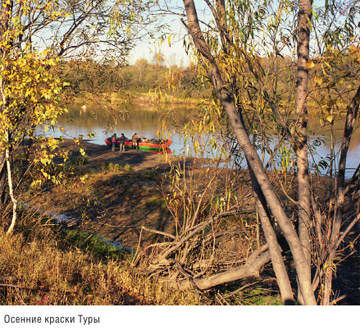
(147,145)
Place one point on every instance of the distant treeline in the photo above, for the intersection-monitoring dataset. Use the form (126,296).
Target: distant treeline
(327,78)
(93,77)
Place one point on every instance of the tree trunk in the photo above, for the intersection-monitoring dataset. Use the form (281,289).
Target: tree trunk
(228,103)
(11,192)
(277,261)
(351,116)
(304,200)
(2,179)
(5,19)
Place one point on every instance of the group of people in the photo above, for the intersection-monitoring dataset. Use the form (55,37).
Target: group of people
(135,142)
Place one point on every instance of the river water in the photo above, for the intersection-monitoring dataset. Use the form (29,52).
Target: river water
(146,122)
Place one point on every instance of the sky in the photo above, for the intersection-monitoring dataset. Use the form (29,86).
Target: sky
(174,53)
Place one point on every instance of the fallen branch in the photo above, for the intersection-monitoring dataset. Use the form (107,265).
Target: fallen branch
(158,232)
(194,231)
(250,269)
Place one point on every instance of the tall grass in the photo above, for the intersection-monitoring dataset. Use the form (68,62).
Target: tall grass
(39,266)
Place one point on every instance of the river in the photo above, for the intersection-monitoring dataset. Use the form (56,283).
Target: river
(145,122)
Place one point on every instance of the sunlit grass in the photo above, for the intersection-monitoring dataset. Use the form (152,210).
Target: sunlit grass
(41,267)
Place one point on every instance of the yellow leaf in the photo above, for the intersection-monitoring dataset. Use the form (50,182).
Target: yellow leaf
(310,64)
(352,48)
(318,81)
(330,118)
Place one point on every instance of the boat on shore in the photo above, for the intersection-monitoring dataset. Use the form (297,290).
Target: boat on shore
(145,145)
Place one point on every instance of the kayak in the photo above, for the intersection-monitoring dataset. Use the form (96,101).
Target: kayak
(153,146)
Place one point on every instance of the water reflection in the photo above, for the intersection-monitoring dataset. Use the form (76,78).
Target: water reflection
(99,120)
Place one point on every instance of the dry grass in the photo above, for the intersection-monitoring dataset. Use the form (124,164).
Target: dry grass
(39,267)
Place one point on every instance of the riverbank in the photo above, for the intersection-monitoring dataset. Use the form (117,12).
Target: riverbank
(109,197)
(111,194)
(150,101)
(115,194)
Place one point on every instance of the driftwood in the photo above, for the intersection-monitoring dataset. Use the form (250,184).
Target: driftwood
(179,242)
(212,244)
(251,268)
(176,266)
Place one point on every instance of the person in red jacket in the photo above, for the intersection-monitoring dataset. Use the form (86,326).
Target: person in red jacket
(113,142)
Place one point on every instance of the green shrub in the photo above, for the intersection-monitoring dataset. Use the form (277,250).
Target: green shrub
(128,168)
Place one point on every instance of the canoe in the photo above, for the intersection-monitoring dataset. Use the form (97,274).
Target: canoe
(159,146)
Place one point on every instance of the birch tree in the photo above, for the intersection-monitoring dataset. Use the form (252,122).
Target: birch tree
(34,37)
